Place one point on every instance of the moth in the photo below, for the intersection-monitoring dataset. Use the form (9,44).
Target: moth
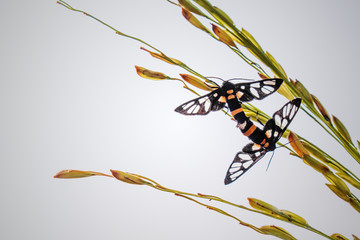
(242,92)
(263,140)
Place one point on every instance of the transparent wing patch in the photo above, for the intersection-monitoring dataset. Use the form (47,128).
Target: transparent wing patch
(201,105)
(273,129)
(245,92)
(243,161)
(284,116)
(258,89)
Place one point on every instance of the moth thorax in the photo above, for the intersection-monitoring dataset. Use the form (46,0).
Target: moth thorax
(231,97)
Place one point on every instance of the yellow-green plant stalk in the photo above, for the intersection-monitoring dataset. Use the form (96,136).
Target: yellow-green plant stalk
(154,75)
(226,32)
(259,206)
(336,185)
(162,57)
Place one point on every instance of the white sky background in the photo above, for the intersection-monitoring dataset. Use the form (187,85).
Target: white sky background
(70,99)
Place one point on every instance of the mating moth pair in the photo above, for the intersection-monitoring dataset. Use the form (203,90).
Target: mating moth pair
(263,140)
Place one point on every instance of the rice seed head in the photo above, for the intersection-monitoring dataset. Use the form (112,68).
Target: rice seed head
(294,217)
(276,64)
(128,178)
(235,37)
(223,15)
(195,82)
(337,192)
(349,179)
(186,4)
(283,90)
(338,236)
(321,108)
(276,231)
(355,237)
(73,174)
(297,145)
(263,206)
(320,156)
(193,20)
(355,204)
(315,164)
(341,128)
(250,38)
(262,76)
(304,92)
(339,183)
(149,74)
(223,36)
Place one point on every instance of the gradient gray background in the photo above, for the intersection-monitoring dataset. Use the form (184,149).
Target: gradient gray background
(70,99)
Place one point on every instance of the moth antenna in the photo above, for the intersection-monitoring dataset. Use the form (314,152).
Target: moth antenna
(210,86)
(218,78)
(270,160)
(287,143)
(242,79)
(277,148)
(213,81)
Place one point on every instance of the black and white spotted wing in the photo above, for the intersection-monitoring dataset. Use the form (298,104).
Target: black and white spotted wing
(243,161)
(252,152)
(282,118)
(258,89)
(215,101)
(202,105)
